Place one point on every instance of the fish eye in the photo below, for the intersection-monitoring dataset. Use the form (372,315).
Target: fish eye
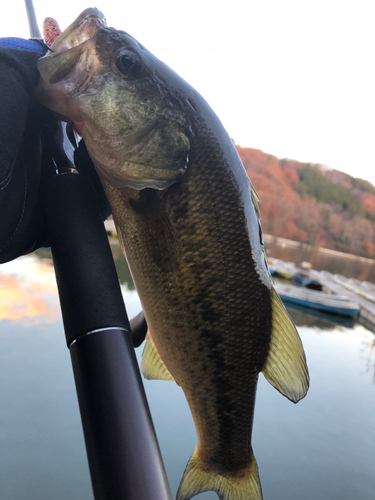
(128,64)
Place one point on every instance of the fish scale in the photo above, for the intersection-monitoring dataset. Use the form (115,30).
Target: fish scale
(188,222)
(216,303)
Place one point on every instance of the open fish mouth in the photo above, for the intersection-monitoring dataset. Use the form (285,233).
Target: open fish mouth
(81,30)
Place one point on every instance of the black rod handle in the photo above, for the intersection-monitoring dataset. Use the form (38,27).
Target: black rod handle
(88,285)
(109,387)
(123,453)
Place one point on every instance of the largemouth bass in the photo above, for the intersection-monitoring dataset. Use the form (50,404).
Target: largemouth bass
(189,225)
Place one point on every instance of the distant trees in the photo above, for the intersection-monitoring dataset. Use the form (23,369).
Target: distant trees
(368,201)
(312,204)
(313,183)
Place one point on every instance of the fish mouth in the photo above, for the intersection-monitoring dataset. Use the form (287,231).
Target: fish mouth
(82,29)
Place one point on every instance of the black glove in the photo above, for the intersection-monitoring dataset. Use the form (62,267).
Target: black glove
(27,148)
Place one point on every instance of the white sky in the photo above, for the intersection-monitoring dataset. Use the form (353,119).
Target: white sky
(293,78)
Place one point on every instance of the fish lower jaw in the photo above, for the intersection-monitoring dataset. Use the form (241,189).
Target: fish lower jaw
(149,183)
(138,177)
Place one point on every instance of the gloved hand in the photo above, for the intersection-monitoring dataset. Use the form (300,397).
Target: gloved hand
(29,142)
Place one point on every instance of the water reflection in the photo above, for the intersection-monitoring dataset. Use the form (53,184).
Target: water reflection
(121,265)
(28,292)
(351,268)
(122,268)
(324,447)
(348,267)
(43,254)
(303,316)
(369,356)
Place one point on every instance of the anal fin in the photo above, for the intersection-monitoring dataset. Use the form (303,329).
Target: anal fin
(152,367)
(285,367)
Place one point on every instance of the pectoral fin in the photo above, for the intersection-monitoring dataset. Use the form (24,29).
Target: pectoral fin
(152,367)
(285,367)
(162,242)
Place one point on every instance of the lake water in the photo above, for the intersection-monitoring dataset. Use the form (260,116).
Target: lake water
(335,264)
(322,448)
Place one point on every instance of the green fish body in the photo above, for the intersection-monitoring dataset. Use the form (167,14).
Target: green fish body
(188,221)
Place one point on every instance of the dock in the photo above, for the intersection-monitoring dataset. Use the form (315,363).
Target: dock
(366,315)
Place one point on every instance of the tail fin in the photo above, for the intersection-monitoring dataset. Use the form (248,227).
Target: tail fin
(198,478)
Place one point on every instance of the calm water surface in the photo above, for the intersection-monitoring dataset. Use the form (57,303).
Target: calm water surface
(323,448)
(348,267)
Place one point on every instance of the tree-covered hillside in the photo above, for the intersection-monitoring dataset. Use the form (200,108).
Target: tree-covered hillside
(312,203)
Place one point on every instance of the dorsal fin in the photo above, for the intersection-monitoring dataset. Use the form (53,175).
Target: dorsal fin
(255,199)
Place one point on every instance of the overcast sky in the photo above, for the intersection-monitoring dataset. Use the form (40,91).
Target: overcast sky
(293,78)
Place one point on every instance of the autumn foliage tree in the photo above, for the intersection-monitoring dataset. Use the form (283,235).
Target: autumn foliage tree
(312,204)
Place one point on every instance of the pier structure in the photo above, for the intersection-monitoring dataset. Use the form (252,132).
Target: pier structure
(366,315)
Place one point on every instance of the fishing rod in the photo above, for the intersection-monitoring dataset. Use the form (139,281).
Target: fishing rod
(122,449)
(31,17)
(121,444)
